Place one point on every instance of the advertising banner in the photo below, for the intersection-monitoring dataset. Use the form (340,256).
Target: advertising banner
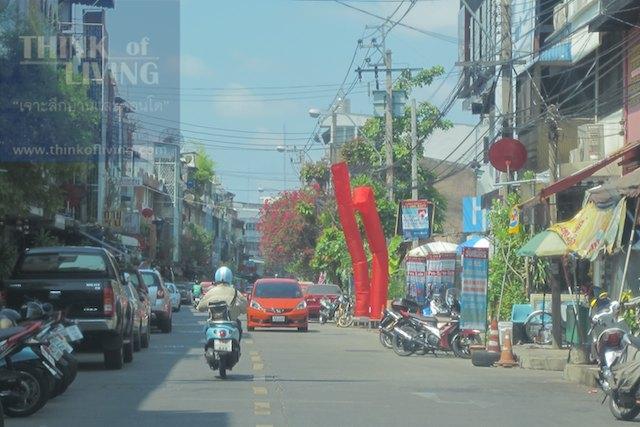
(475,275)
(416,221)
(416,275)
(440,272)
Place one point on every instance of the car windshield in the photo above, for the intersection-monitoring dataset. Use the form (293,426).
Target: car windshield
(171,287)
(324,290)
(278,290)
(150,278)
(56,263)
(133,277)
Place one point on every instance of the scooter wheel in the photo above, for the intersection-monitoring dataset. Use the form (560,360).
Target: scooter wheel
(34,387)
(623,413)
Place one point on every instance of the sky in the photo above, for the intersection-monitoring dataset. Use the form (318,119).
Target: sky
(250,70)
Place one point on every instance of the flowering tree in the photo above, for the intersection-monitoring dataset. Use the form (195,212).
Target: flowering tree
(289,232)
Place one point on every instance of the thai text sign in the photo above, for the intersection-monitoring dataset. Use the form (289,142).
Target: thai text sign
(416,223)
(416,278)
(475,273)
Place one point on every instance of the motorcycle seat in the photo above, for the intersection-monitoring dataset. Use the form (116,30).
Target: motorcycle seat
(428,319)
(9,332)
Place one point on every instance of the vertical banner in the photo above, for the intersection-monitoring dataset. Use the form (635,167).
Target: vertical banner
(416,278)
(475,277)
(440,272)
(416,219)
(514,220)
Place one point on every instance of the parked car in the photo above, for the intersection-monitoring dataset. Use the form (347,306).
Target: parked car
(315,293)
(277,303)
(161,313)
(85,283)
(186,292)
(174,293)
(142,312)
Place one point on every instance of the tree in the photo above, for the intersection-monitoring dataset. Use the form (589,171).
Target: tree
(289,231)
(38,109)
(204,167)
(197,244)
(506,269)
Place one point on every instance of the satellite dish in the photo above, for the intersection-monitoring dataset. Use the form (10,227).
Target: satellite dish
(508,155)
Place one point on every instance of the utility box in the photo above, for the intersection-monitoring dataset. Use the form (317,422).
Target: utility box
(573,328)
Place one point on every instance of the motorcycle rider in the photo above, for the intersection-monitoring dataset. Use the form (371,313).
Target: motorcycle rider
(223,290)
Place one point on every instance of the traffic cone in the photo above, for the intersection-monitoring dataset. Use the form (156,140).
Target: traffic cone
(494,338)
(506,356)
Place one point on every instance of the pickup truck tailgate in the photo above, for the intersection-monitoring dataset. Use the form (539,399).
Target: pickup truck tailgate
(77,297)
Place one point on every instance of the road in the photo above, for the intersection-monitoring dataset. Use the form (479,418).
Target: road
(325,377)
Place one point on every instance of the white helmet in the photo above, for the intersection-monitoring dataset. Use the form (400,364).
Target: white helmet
(224,274)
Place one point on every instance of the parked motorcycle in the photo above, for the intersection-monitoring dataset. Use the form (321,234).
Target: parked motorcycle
(391,317)
(328,310)
(24,386)
(433,333)
(617,353)
(222,347)
(344,313)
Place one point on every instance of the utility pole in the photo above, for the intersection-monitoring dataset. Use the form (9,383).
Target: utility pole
(506,50)
(284,158)
(414,151)
(333,157)
(414,158)
(389,124)
(177,204)
(102,178)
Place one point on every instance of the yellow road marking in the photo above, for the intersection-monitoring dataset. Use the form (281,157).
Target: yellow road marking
(248,341)
(258,366)
(262,408)
(261,391)
(256,359)
(253,353)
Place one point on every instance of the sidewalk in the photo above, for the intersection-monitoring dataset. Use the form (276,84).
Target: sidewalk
(532,356)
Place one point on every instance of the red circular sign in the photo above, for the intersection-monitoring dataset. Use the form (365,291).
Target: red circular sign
(147,212)
(508,154)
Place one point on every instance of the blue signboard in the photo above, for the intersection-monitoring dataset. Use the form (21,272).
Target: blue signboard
(474,218)
(475,278)
(416,222)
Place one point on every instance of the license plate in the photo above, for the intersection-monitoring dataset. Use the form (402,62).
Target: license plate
(223,345)
(74,333)
(278,319)
(61,343)
(46,352)
(55,352)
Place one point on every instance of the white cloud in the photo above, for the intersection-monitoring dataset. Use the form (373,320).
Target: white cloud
(193,66)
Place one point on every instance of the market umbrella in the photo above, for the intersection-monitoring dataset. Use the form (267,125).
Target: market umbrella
(544,244)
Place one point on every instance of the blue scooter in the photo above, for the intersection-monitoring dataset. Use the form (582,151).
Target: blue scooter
(222,347)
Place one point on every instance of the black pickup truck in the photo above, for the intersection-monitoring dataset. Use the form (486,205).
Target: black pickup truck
(86,284)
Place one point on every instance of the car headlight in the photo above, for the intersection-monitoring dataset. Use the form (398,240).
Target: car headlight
(301,305)
(254,304)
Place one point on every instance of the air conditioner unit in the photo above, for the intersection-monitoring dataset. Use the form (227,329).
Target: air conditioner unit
(590,144)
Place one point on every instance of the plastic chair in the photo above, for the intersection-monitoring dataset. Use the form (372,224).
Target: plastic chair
(520,312)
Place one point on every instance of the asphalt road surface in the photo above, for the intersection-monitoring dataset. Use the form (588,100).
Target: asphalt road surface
(326,377)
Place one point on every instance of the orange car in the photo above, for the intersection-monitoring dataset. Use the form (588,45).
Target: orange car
(277,303)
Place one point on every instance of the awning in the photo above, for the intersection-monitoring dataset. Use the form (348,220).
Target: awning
(96,3)
(593,229)
(572,180)
(626,186)
(544,244)
(475,242)
(433,248)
